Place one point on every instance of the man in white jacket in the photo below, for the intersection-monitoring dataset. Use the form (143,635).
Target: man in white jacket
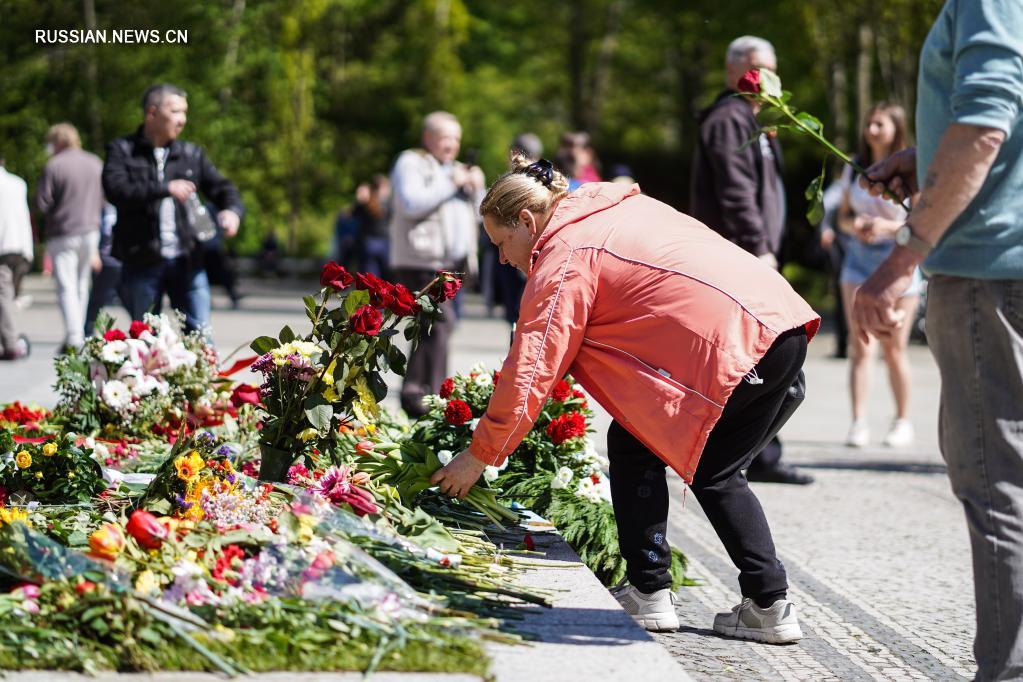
(434,226)
(15,259)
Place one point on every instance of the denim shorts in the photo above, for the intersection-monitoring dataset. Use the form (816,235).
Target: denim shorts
(861,260)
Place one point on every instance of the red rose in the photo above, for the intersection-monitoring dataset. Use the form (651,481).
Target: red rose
(403,302)
(335,276)
(750,82)
(114,335)
(567,426)
(137,327)
(447,287)
(457,412)
(447,388)
(245,393)
(561,391)
(381,293)
(367,320)
(146,530)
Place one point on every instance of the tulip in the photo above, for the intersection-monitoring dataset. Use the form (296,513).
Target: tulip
(107,542)
(146,529)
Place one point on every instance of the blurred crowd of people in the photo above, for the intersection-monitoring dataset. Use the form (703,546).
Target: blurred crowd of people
(148,222)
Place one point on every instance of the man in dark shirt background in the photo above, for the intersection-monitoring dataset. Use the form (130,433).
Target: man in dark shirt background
(738,192)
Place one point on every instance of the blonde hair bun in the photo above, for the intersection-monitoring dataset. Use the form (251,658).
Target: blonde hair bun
(532,185)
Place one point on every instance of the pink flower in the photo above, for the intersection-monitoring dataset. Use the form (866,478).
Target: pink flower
(338,487)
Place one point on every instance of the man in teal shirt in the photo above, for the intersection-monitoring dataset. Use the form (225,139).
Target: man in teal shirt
(966,228)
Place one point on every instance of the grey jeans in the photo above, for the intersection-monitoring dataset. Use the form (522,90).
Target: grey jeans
(975,330)
(12,268)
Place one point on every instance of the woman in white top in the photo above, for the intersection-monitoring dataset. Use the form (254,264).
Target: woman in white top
(871,223)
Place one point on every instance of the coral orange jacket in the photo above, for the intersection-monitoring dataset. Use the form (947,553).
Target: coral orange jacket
(657,316)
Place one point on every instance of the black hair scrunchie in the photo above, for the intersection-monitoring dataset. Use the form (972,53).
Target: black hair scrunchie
(542,170)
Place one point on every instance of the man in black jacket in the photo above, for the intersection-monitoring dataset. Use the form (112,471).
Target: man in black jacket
(737,190)
(150,176)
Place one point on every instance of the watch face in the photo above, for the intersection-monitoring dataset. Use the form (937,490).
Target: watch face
(902,235)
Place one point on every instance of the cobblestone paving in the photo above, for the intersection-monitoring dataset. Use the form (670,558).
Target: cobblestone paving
(878,566)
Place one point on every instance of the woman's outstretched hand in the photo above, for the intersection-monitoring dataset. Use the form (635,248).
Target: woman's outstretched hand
(459,476)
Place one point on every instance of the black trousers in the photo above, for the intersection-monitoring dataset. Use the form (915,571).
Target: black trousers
(428,364)
(752,417)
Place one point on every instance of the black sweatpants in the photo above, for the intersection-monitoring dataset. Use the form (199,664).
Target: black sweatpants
(752,416)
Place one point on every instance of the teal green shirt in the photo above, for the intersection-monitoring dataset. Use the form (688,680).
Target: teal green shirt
(971,72)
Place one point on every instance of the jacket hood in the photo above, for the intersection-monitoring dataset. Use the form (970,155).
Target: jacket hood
(591,198)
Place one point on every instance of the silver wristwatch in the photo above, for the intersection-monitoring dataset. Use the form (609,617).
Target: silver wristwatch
(904,237)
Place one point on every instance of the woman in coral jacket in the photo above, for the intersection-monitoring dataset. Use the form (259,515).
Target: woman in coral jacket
(692,345)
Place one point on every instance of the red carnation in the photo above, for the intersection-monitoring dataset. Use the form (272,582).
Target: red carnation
(137,327)
(114,335)
(335,276)
(561,391)
(750,82)
(457,412)
(367,320)
(381,293)
(245,393)
(576,393)
(447,388)
(403,302)
(567,426)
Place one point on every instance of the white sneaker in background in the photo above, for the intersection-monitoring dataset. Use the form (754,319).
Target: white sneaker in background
(23,302)
(900,434)
(859,434)
(654,611)
(775,625)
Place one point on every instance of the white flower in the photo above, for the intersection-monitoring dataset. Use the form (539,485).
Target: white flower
(588,490)
(562,478)
(146,384)
(114,352)
(479,368)
(490,474)
(484,380)
(445,456)
(435,402)
(116,394)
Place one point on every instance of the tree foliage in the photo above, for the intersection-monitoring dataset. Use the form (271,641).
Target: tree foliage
(299,100)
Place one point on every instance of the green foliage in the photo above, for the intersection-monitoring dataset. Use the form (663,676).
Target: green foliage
(298,101)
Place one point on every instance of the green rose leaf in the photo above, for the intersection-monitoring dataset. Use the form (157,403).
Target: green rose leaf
(318,411)
(264,344)
(286,335)
(810,121)
(815,195)
(355,300)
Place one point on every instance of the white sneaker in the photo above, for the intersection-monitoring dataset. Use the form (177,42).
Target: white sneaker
(775,625)
(859,434)
(900,434)
(654,611)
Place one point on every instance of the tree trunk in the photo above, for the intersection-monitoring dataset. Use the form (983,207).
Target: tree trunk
(91,78)
(577,64)
(602,70)
(864,72)
(233,44)
(838,102)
